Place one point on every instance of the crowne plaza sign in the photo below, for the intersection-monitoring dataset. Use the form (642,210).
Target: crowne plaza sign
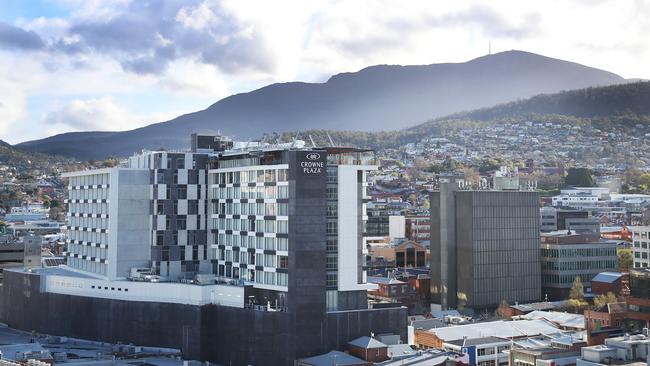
(312,164)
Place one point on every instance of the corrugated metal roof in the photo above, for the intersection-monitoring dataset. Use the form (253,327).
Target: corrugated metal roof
(607,277)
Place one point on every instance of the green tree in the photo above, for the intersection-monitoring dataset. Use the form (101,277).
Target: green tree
(579,177)
(625,259)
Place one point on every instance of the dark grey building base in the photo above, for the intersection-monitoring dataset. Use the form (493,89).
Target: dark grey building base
(225,335)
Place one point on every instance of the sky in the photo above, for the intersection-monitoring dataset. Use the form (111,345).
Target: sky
(80,65)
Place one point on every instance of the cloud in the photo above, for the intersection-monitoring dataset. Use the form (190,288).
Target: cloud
(12,37)
(194,78)
(101,114)
(145,36)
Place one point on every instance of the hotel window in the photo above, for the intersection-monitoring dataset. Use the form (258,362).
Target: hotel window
(282,209)
(269,260)
(269,175)
(332,193)
(331,245)
(269,244)
(283,192)
(331,280)
(283,227)
(181,223)
(283,243)
(283,279)
(270,209)
(180,163)
(182,193)
(282,175)
(331,262)
(332,227)
(269,278)
(270,192)
(283,261)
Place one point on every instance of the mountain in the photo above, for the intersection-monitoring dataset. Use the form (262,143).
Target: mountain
(376,98)
(615,105)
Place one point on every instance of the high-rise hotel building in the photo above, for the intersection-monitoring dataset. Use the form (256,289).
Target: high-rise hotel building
(275,211)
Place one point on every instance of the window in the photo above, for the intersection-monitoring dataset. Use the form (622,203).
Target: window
(180,163)
(269,176)
(181,223)
(283,261)
(282,175)
(182,193)
(283,279)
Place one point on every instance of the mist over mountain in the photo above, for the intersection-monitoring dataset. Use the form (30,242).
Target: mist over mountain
(377,98)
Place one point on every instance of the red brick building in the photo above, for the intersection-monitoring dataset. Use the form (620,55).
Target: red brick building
(368,349)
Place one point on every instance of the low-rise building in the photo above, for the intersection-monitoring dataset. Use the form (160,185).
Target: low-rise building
(614,282)
(488,343)
(623,350)
(368,349)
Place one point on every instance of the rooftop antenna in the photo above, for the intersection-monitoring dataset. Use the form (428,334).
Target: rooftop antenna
(330,138)
(489,47)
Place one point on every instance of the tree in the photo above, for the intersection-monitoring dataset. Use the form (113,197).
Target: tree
(625,259)
(577,290)
(462,300)
(579,177)
(503,311)
(601,301)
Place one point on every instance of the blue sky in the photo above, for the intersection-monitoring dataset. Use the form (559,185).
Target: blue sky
(75,65)
(11,10)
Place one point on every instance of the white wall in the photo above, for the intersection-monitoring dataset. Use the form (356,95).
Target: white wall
(129,222)
(397,227)
(348,228)
(165,292)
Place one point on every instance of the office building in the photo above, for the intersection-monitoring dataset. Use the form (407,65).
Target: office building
(484,246)
(566,256)
(641,246)
(255,248)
